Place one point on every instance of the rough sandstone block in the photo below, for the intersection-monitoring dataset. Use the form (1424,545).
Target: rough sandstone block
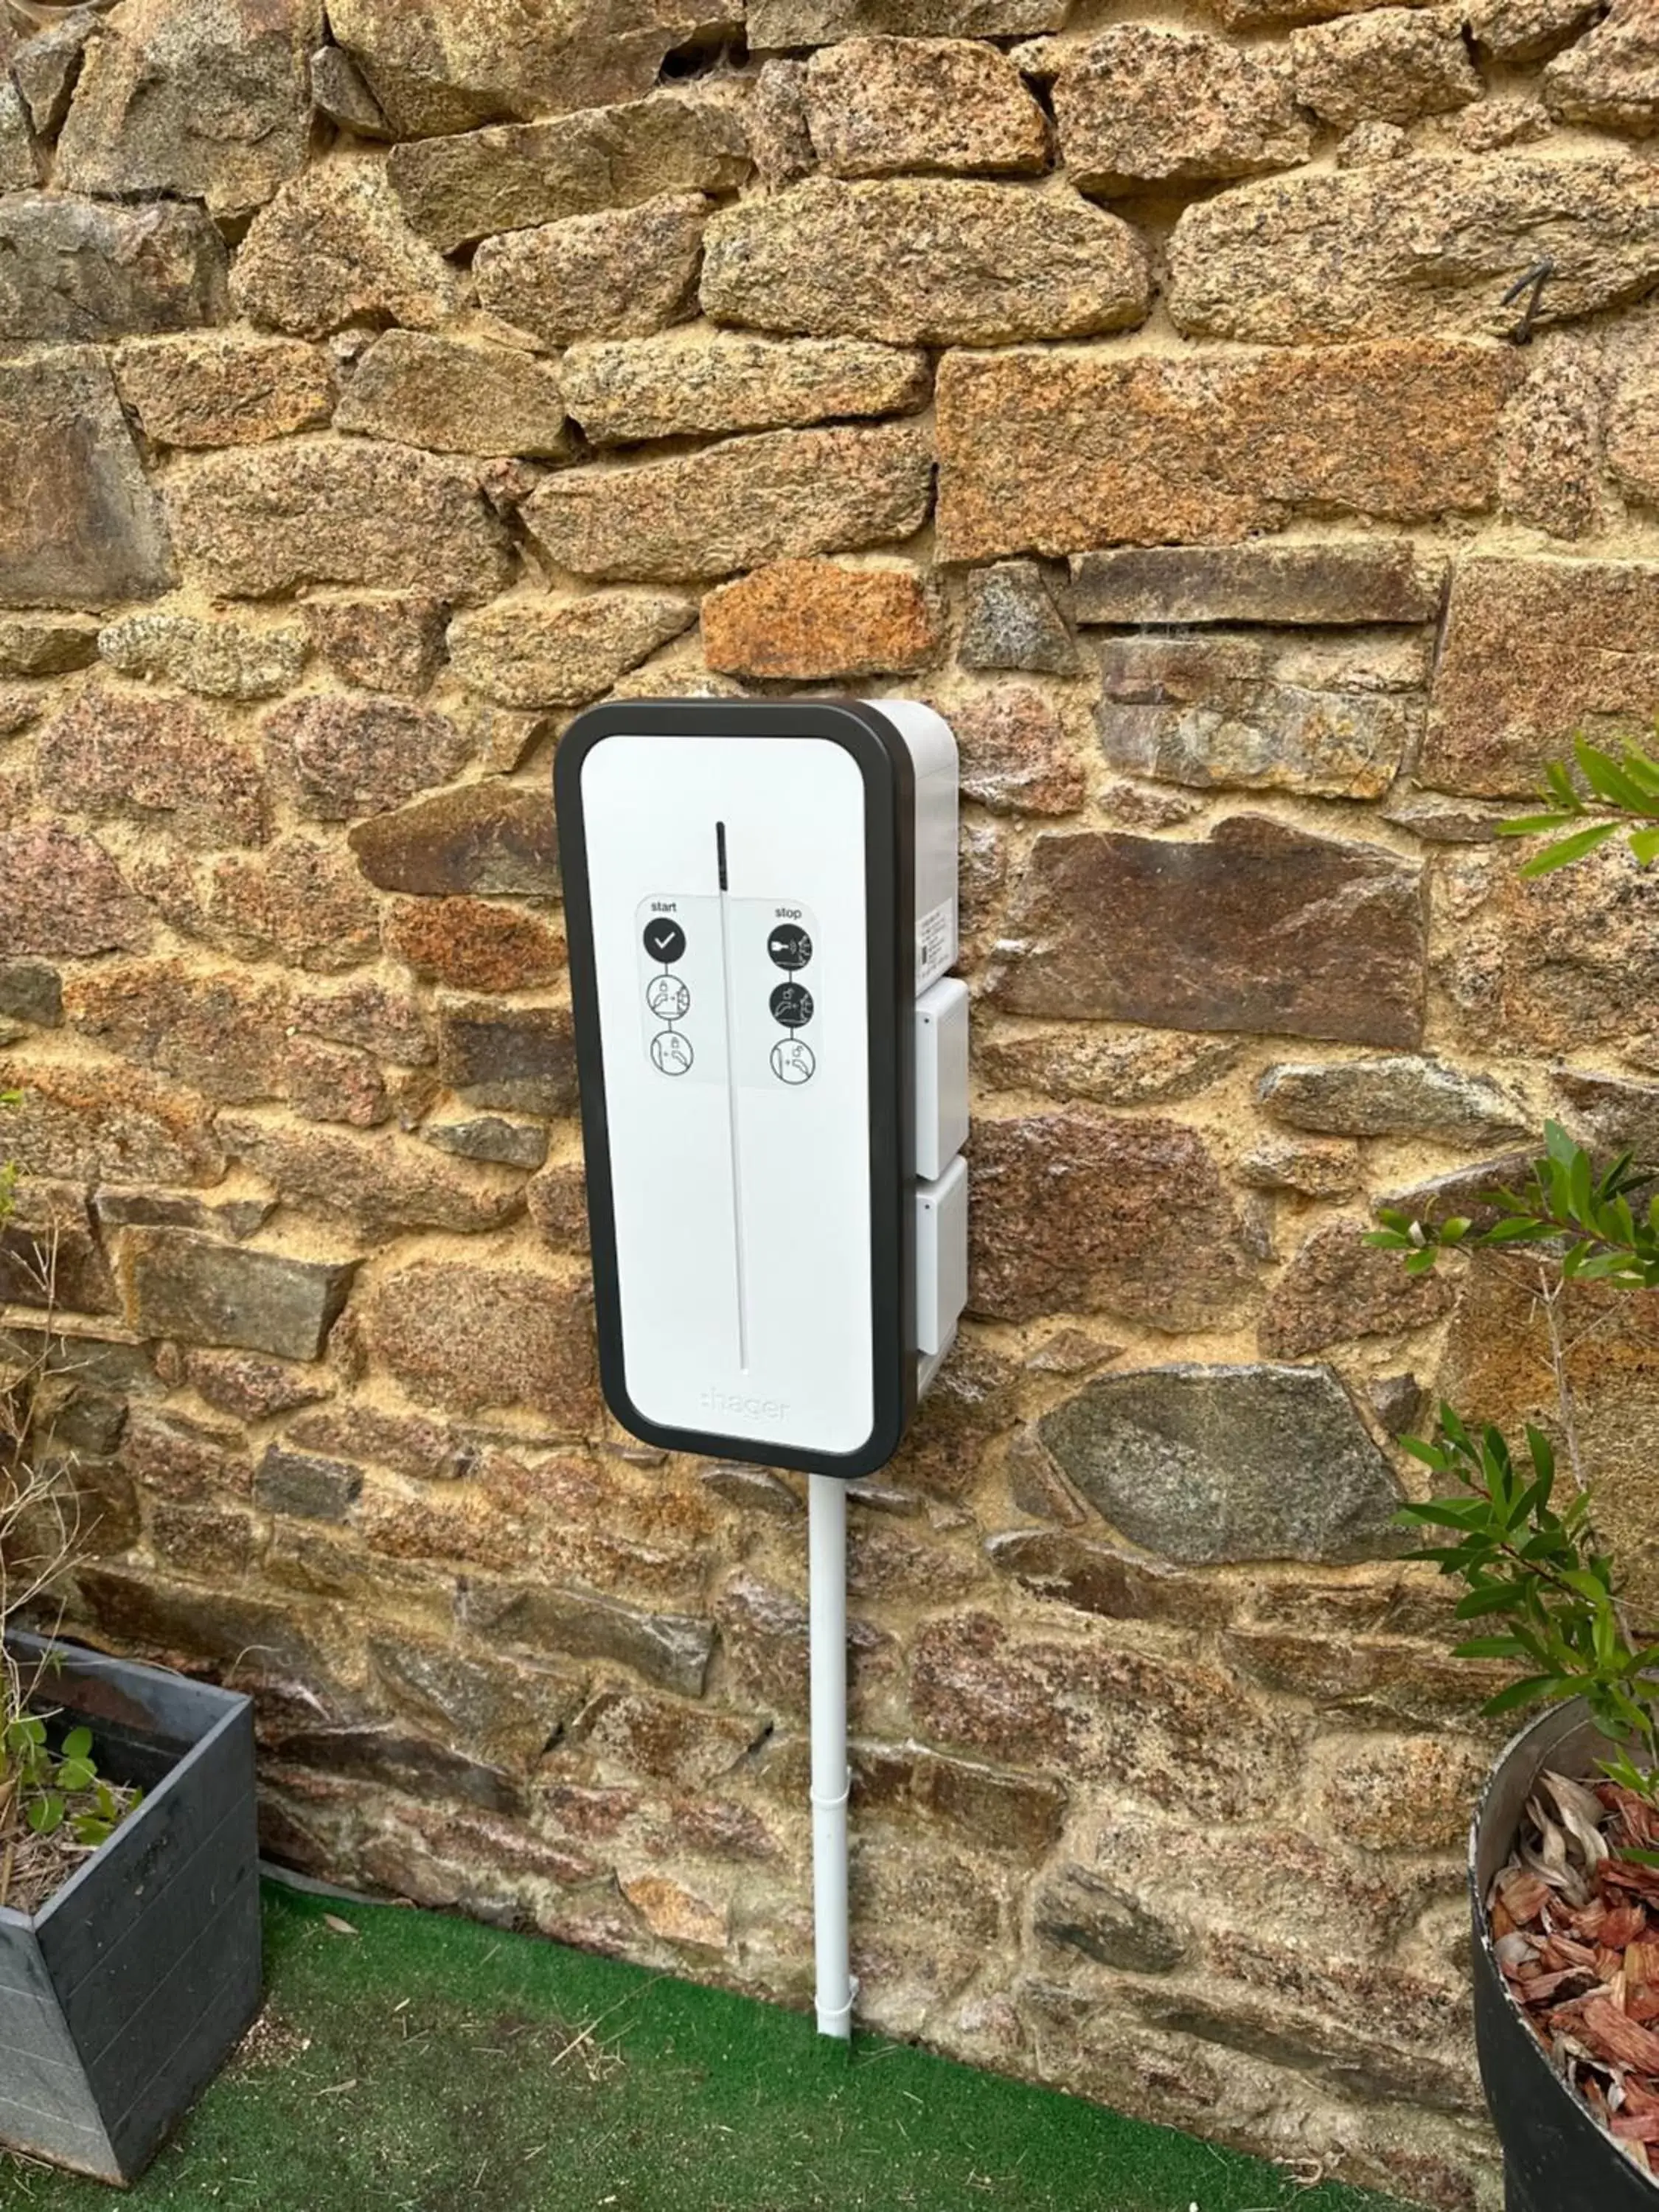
(458,190)
(1339,583)
(621,274)
(670,1650)
(228,388)
(322,511)
(454,397)
(783,495)
(1401,1097)
(77,270)
(467,1338)
(79,523)
(45,68)
(544,652)
(1056,453)
(120,752)
(1237,933)
(1528,30)
(1016,755)
(205,100)
(392,644)
(176,1283)
(923,261)
(1139,107)
(21,164)
(93,1124)
(1262,15)
(489,839)
(1101,1215)
(878,106)
(1533,650)
(696,382)
(334,247)
(448,65)
(224,1033)
(1611,77)
(48,645)
(519,1060)
(821,619)
(221,659)
(1264,710)
(1392,65)
(65,897)
(1013,618)
(301,902)
(1211,1465)
(1430,244)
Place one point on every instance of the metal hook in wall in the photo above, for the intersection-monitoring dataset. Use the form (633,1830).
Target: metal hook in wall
(1532,282)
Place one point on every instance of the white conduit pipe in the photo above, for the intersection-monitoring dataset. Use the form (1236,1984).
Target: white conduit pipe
(832,1780)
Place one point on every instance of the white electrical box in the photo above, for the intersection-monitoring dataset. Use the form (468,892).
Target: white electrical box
(760,899)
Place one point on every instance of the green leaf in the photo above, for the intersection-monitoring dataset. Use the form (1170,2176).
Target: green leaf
(1491,1647)
(1644,843)
(46,1815)
(1528,1693)
(1576,847)
(77,1744)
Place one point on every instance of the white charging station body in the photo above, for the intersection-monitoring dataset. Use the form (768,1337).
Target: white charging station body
(762,904)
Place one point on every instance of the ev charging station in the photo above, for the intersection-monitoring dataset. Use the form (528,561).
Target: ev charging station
(761,900)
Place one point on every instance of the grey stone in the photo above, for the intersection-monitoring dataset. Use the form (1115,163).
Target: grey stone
(478,184)
(1085,1911)
(304,1487)
(21,165)
(670,1650)
(73,270)
(753,1488)
(79,524)
(488,1137)
(1395,1097)
(1014,619)
(236,1219)
(204,100)
(176,1283)
(30,991)
(1398,1402)
(1340,583)
(216,659)
(1603,1112)
(48,645)
(338,91)
(488,840)
(521,1060)
(1206,1464)
(45,68)
(1473,1193)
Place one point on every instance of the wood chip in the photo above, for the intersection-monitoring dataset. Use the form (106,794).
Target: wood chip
(1618,2037)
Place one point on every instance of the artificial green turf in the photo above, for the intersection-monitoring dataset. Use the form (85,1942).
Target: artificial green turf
(425,2064)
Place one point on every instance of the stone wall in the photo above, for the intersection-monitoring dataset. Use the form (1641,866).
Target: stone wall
(377,392)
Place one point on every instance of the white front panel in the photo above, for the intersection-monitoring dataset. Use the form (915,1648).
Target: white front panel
(734,1026)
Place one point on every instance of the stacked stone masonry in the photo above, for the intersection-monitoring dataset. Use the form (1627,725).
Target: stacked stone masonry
(375,391)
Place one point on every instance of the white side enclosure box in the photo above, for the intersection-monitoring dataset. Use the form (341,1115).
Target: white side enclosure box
(761,904)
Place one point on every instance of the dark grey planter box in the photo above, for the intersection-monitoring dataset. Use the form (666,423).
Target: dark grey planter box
(121,1998)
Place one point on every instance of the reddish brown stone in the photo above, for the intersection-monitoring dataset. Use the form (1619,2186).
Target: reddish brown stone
(473,946)
(1080,1213)
(557,1200)
(225,1032)
(342,757)
(252,1389)
(1016,757)
(1262,929)
(821,619)
(385,1185)
(107,1125)
(1535,650)
(491,839)
(468,1337)
(125,752)
(64,895)
(1060,453)
(389,644)
(1337,1288)
(301,902)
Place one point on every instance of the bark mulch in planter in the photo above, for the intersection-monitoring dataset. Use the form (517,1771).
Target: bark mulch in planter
(1575,1926)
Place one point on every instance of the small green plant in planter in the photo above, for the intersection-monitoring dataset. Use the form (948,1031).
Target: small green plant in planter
(1564,1854)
